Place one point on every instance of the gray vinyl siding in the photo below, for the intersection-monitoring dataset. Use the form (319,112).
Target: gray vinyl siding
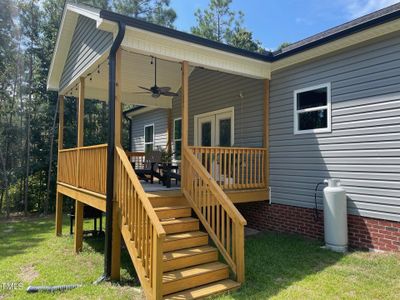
(87,44)
(363,149)
(158,117)
(211,90)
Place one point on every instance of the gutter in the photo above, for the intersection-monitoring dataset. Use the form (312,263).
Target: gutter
(111,148)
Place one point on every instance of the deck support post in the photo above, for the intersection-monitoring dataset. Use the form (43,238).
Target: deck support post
(79,205)
(59,196)
(116,244)
(185,111)
(112,140)
(78,226)
(266,129)
(116,229)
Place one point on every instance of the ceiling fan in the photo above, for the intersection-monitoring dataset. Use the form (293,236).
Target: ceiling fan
(157,91)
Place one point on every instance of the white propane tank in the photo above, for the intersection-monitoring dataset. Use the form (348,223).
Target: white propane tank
(335,216)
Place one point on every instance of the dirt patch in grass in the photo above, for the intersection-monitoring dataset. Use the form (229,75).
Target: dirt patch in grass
(28,273)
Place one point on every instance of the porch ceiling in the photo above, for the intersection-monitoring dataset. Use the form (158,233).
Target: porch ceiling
(137,70)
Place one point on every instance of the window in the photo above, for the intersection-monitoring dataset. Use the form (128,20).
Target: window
(148,138)
(177,138)
(312,109)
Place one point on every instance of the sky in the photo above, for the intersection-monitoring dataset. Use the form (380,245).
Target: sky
(276,21)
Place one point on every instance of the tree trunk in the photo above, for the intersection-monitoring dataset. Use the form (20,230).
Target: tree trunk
(47,201)
(28,133)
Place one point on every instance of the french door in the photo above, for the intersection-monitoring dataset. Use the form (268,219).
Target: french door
(215,128)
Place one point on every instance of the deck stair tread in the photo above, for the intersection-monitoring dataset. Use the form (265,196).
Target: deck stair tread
(188,252)
(184,235)
(192,271)
(205,290)
(162,208)
(179,221)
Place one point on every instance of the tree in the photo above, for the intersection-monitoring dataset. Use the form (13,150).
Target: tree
(283,45)
(218,22)
(244,39)
(8,100)
(155,11)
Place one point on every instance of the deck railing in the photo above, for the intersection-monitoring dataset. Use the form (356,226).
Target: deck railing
(141,227)
(84,167)
(219,216)
(234,168)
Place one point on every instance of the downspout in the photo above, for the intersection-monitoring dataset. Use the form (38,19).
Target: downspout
(111,147)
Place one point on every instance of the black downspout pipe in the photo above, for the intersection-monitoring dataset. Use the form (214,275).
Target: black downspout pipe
(111,147)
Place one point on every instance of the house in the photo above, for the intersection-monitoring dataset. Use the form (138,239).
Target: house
(256,133)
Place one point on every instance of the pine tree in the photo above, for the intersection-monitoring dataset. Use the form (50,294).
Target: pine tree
(155,11)
(218,22)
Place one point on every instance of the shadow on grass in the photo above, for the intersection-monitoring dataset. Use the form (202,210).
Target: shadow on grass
(18,236)
(128,273)
(276,261)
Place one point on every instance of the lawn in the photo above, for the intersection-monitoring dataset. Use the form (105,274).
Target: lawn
(277,266)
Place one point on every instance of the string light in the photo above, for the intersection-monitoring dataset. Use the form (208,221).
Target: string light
(90,75)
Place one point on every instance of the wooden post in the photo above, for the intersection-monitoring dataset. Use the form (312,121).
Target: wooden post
(157,266)
(240,268)
(116,243)
(116,218)
(169,132)
(185,112)
(79,205)
(266,130)
(81,115)
(59,196)
(78,226)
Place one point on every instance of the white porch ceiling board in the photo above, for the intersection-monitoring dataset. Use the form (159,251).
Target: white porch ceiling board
(168,48)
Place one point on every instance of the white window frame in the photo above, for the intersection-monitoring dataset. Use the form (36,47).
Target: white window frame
(328,107)
(230,110)
(144,136)
(177,140)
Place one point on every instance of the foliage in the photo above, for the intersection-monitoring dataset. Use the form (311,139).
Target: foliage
(220,23)
(283,45)
(155,11)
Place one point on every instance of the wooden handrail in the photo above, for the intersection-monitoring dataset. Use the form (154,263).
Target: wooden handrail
(234,168)
(139,188)
(141,228)
(219,216)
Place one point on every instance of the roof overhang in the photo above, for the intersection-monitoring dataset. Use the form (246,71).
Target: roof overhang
(333,45)
(175,46)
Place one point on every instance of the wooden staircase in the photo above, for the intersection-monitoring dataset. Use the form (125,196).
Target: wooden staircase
(168,236)
(191,269)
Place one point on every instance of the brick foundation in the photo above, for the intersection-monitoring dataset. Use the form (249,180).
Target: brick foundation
(364,233)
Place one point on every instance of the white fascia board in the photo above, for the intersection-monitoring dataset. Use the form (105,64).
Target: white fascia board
(149,43)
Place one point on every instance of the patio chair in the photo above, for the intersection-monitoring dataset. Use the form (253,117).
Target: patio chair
(150,166)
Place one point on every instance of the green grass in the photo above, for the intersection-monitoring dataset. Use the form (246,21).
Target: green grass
(31,254)
(290,267)
(277,266)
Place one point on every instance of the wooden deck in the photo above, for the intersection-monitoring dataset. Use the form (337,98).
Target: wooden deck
(172,256)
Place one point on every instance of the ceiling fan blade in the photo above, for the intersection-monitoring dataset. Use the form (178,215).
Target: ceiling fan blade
(169,94)
(141,93)
(144,88)
(164,88)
